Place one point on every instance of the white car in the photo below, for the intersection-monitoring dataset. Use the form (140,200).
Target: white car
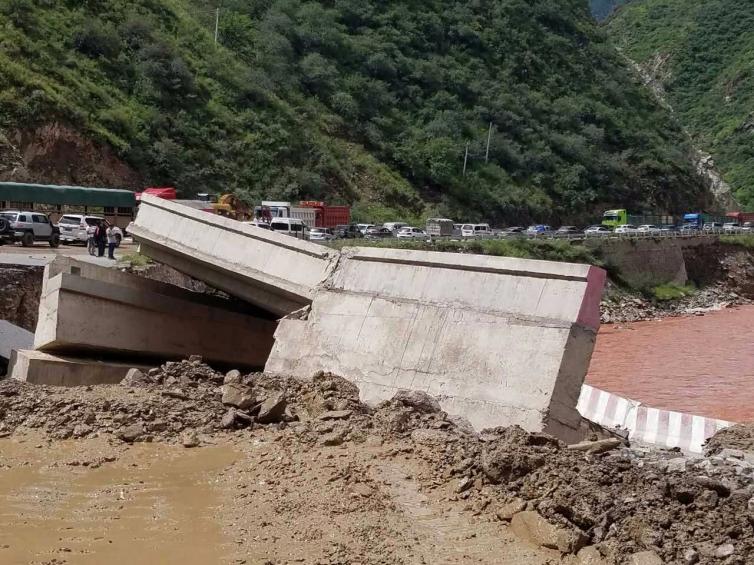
(394,226)
(731,227)
(748,227)
(410,232)
(626,228)
(364,227)
(467,230)
(321,234)
(77,228)
(597,231)
(648,228)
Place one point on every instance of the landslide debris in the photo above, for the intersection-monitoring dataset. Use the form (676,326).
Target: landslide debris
(602,501)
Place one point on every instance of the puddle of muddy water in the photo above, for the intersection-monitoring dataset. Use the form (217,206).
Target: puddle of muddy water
(154,504)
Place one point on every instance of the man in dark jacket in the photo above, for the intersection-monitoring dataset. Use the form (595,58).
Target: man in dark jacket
(100,238)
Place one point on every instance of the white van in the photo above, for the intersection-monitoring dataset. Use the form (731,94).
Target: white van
(290,226)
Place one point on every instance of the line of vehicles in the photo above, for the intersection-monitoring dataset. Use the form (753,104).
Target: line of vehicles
(28,227)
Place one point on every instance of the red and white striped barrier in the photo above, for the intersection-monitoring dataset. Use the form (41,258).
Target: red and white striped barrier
(648,425)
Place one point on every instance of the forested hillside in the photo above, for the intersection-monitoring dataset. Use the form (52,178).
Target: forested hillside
(356,101)
(701,52)
(601,9)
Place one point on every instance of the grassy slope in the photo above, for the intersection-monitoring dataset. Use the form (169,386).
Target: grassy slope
(709,79)
(354,101)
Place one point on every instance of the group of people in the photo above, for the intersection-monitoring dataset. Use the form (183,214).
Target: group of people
(103,235)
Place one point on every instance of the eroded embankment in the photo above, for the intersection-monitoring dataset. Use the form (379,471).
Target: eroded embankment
(615,501)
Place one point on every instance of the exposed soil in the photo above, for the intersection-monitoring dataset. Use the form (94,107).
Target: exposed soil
(56,153)
(326,479)
(20,290)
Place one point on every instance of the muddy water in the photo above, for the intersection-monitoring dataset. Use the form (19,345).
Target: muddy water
(698,364)
(153,504)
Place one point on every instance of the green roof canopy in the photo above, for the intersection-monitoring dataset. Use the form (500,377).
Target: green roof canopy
(70,195)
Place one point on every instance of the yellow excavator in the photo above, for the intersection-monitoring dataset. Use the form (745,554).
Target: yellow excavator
(231,206)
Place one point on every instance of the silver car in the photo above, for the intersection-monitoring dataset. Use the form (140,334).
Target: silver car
(27,227)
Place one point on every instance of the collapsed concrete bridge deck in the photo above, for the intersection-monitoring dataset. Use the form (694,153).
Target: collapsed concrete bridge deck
(499,340)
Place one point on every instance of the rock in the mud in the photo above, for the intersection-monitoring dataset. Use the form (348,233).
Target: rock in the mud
(724,550)
(464,484)
(131,433)
(135,378)
(333,438)
(81,430)
(418,400)
(589,556)
(676,465)
(599,446)
(231,377)
(509,510)
(238,395)
(645,558)
(272,409)
(690,557)
(335,415)
(190,439)
(229,419)
(530,525)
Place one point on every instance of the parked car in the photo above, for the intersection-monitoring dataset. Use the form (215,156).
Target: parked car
(748,227)
(648,229)
(378,233)
(712,227)
(76,228)
(731,227)
(27,227)
(410,232)
(290,226)
(513,231)
(467,230)
(483,230)
(569,230)
(538,229)
(350,231)
(597,231)
(626,229)
(321,234)
(364,227)
(394,226)
(668,228)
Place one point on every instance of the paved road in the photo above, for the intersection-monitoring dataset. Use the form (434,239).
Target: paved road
(41,254)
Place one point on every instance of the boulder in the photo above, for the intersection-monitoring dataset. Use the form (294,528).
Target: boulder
(272,409)
(238,395)
(645,558)
(533,527)
(418,400)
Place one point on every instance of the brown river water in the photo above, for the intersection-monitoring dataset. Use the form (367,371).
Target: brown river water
(697,364)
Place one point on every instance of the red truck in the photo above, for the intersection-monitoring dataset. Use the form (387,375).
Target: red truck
(741,217)
(328,216)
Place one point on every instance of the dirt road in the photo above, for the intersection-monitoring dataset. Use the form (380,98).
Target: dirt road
(247,500)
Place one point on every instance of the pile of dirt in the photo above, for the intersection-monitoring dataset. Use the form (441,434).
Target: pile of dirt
(740,436)
(600,500)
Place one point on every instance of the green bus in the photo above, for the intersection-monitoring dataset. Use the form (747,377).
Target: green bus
(117,206)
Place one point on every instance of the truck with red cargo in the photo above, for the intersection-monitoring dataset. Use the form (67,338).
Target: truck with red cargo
(740,217)
(328,216)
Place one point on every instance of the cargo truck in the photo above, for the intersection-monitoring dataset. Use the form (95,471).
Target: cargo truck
(270,210)
(328,216)
(697,220)
(621,217)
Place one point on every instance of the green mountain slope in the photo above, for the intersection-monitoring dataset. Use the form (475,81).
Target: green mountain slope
(702,54)
(354,100)
(602,9)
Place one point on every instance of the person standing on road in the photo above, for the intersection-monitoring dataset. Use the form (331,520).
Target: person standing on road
(100,238)
(112,241)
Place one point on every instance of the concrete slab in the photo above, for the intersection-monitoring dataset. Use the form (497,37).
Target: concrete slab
(500,341)
(85,308)
(273,271)
(37,367)
(12,337)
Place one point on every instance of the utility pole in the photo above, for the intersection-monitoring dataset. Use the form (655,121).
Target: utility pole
(465,158)
(489,136)
(217,23)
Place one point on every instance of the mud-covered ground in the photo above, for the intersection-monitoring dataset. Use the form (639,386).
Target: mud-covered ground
(311,475)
